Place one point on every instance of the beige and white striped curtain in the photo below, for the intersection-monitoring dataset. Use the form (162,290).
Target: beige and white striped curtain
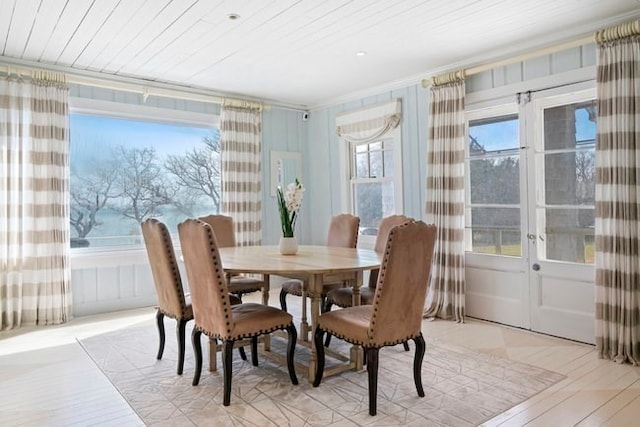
(34,202)
(240,134)
(445,200)
(618,194)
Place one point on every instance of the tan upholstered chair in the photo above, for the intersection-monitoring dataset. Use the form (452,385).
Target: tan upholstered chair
(172,301)
(343,233)
(222,226)
(214,316)
(398,303)
(343,297)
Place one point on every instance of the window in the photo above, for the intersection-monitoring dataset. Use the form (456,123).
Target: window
(124,171)
(372,183)
(493,185)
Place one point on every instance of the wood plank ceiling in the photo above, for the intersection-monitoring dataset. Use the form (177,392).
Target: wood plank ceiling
(301,52)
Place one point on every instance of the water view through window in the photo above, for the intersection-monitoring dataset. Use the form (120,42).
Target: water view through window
(126,171)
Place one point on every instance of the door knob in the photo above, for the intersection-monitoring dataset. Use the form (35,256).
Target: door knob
(535,267)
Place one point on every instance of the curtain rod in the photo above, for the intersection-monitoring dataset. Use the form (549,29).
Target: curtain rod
(129,84)
(533,54)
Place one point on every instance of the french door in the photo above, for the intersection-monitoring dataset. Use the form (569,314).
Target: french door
(530,212)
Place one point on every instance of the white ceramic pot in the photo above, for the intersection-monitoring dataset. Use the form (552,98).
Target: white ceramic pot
(288,245)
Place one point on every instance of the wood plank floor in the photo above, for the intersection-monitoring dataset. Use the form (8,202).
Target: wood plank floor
(46,378)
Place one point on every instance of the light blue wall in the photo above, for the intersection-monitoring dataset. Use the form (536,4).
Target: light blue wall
(321,156)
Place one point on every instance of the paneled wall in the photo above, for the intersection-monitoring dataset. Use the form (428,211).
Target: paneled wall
(117,281)
(322,156)
(121,280)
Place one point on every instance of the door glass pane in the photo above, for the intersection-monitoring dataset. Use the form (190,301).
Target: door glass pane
(569,180)
(495,180)
(496,230)
(569,235)
(494,185)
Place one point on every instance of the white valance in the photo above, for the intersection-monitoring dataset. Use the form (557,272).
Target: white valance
(369,123)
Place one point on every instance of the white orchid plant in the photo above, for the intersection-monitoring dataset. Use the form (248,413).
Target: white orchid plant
(289,203)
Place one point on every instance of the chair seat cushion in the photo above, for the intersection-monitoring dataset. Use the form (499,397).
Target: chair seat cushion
(343,297)
(243,285)
(251,319)
(350,324)
(294,287)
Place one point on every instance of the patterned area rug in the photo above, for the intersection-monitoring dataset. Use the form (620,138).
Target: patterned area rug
(463,387)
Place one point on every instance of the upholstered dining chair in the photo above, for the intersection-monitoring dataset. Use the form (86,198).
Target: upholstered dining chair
(223,228)
(173,302)
(213,314)
(343,297)
(343,233)
(396,313)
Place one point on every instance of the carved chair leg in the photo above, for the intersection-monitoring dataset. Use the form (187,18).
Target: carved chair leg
(254,350)
(417,363)
(291,348)
(160,323)
(320,356)
(197,352)
(227,368)
(406,346)
(180,332)
(372,370)
(283,300)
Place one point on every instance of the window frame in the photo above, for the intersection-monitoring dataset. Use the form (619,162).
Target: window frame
(346,163)
(114,255)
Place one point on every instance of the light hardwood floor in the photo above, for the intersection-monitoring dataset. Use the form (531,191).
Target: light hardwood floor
(46,378)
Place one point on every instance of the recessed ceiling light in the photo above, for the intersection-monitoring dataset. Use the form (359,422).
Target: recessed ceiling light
(361,53)
(233,16)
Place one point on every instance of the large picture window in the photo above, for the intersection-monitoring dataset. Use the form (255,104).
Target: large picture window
(124,171)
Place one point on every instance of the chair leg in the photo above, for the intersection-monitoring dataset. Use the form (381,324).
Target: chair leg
(227,368)
(197,352)
(327,340)
(372,370)
(320,356)
(180,332)
(283,300)
(243,355)
(406,346)
(160,323)
(291,348)
(417,363)
(254,350)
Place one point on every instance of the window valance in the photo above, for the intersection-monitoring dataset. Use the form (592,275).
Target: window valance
(369,123)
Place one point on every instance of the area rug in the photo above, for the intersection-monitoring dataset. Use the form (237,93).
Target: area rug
(463,387)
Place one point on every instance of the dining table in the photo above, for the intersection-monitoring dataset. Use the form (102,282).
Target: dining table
(313,265)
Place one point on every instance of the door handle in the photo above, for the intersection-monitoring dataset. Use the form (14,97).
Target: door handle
(535,267)
(531,236)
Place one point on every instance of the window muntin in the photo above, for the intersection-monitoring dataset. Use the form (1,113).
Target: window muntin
(493,186)
(125,171)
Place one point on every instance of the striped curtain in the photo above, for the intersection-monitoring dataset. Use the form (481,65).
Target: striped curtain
(34,203)
(240,130)
(445,200)
(618,194)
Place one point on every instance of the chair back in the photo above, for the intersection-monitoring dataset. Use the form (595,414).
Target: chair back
(343,231)
(164,268)
(222,226)
(402,286)
(386,224)
(209,294)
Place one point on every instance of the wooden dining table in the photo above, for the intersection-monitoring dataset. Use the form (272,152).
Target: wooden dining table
(314,265)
